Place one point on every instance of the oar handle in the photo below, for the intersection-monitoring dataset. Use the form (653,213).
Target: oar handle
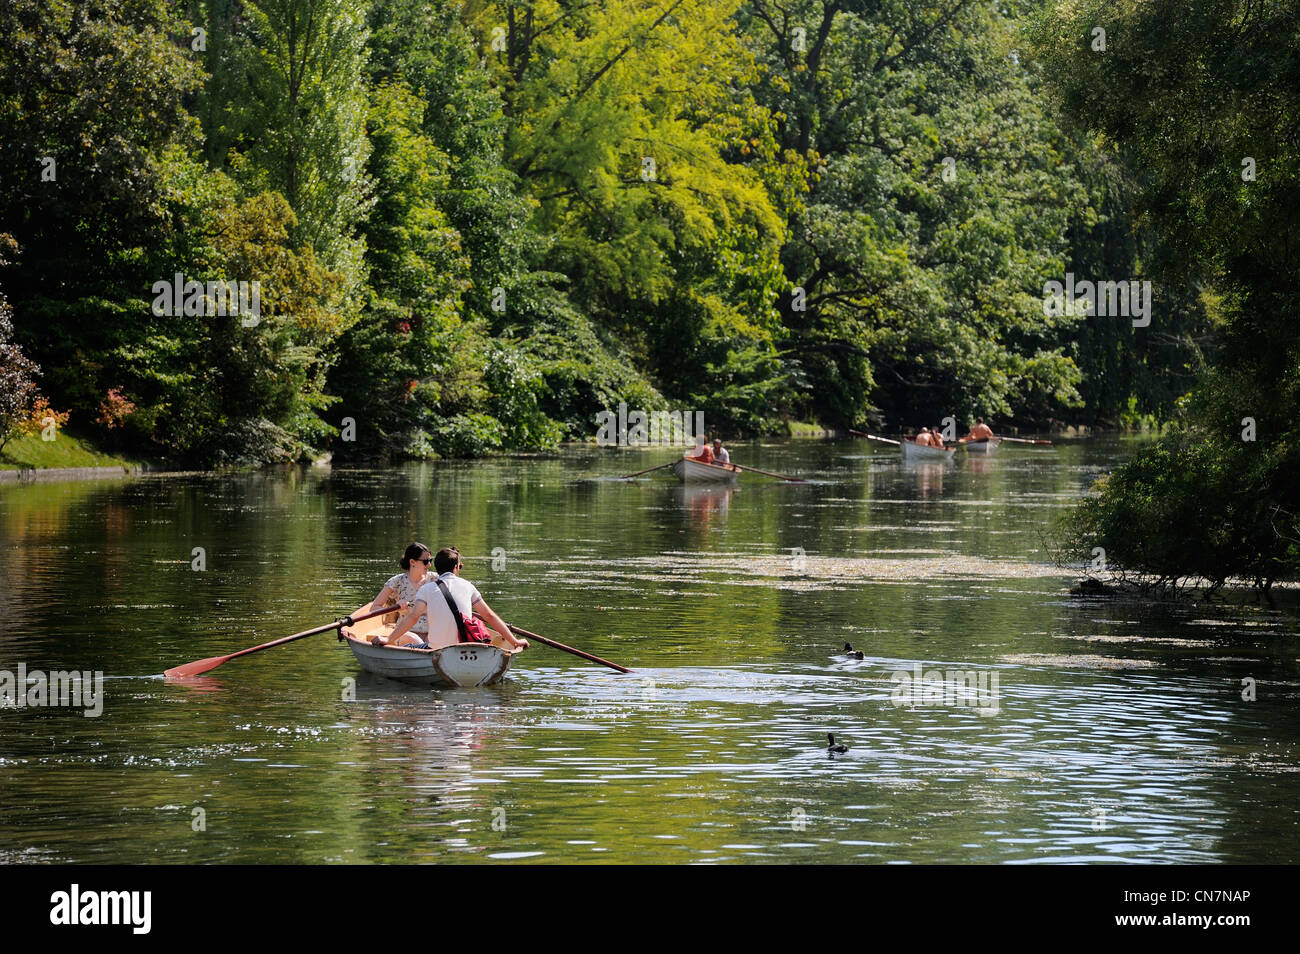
(568,649)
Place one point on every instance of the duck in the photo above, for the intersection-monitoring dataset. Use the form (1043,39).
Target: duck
(835,748)
(851,652)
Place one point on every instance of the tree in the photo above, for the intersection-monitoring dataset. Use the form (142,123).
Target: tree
(939,203)
(18,390)
(1202,98)
(298,116)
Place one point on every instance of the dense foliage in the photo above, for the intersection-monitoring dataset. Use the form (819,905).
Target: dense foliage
(473,226)
(1201,100)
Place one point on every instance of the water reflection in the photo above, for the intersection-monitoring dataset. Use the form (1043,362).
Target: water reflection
(705,503)
(928,476)
(1121,733)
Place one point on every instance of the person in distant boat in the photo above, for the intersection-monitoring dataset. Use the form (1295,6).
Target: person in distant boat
(431,605)
(936,438)
(720,455)
(980,432)
(401,589)
(702,452)
(923,437)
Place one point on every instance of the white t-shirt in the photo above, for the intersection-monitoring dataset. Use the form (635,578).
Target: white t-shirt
(720,456)
(442,625)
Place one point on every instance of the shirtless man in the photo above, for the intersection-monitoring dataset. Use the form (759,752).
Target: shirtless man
(923,438)
(980,432)
(936,438)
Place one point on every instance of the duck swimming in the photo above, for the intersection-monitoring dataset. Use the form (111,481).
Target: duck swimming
(851,652)
(837,748)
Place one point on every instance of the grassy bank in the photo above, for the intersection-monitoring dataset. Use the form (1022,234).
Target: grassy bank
(64,451)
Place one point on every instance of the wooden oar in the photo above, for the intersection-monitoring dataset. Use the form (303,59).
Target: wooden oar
(883,440)
(568,649)
(203,665)
(1022,440)
(647,470)
(766,473)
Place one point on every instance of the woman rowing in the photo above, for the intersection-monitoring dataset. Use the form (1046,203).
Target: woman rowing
(400,592)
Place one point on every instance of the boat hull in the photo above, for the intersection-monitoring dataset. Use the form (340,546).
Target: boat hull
(987,446)
(696,472)
(465,665)
(454,665)
(919,452)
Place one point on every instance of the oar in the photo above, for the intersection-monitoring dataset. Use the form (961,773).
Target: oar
(203,665)
(768,473)
(568,649)
(647,470)
(883,440)
(1021,440)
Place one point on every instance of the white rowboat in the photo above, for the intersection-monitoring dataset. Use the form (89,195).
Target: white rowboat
(985,445)
(914,451)
(694,471)
(453,664)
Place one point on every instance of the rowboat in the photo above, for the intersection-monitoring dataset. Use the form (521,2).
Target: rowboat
(694,471)
(914,451)
(450,664)
(982,445)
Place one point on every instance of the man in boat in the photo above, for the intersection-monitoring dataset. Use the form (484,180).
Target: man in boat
(936,438)
(923,438)
(720,455)
(430,603)
(980,432)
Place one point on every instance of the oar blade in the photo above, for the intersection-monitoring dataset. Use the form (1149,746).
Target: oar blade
(195,668)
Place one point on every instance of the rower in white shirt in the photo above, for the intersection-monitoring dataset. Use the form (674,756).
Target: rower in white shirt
(430,602)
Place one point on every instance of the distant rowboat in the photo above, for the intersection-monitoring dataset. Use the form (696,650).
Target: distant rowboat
(694,471)
(450,665)
(917,452)
(982,445)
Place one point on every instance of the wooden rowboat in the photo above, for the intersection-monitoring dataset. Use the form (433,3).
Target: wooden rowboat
(694,471)
(917,452)
(983,445)
(450,664)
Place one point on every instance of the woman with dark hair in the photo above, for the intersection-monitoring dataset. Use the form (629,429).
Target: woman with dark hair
(399,592)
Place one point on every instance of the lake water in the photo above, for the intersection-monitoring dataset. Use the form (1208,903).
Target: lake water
(1115,731)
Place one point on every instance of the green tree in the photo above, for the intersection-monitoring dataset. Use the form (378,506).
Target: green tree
(1202,98)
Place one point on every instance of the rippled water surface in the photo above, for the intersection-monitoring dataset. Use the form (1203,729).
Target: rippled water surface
(1115,730)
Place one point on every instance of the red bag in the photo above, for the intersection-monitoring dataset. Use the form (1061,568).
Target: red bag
(471,630)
